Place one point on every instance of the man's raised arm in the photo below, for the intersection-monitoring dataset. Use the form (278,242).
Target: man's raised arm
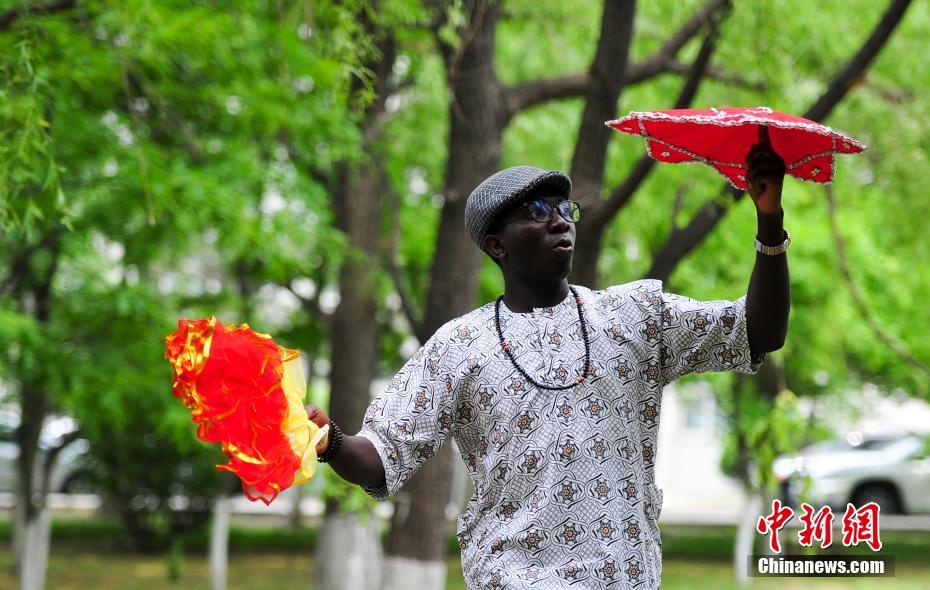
(768,299)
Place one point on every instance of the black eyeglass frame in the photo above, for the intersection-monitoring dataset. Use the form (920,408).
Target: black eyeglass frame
(541,211)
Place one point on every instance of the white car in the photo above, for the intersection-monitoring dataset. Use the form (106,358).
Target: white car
(892,471)
(66,475)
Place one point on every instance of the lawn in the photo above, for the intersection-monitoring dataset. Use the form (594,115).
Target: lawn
(87,554)
(74,569)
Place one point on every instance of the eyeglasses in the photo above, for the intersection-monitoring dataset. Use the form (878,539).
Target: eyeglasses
(541,211)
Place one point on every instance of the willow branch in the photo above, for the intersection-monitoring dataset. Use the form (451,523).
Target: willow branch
(719,74)
(390,262)
(855,68)
(680,243)
(10,16)
(535,92)
(52,455)
(858,299)
(606,210)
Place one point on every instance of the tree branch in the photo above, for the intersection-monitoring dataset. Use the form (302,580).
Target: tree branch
(855,68)
(535,92)
(19,265)
(406,302)
(719,74)
(858,299)
(10,16)
(309,304)
(681,242)
(52,455)
(606,210)
(390,261)
(663,59)
(441,10)
(702,17)
(308,165)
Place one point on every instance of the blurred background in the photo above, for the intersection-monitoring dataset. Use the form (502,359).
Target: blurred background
(302,166)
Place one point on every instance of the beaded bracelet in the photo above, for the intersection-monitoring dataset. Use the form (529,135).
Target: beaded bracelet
(335,444)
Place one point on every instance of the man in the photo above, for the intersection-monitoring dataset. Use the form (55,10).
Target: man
(552,393)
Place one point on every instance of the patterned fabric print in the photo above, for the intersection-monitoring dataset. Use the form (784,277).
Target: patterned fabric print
(564,480)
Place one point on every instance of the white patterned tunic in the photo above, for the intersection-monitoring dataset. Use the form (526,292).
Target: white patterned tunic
(564,480)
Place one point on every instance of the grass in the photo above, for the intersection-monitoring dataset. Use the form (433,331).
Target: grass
(74,569)
(90,554)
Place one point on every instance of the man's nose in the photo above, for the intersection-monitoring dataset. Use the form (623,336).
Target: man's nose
(558,224)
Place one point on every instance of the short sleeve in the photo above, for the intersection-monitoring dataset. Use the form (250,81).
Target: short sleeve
(701,336)
(410,420)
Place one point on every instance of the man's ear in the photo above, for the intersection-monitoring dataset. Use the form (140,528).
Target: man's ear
(494,246)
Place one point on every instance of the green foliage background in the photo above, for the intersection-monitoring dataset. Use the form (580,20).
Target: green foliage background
(173,153)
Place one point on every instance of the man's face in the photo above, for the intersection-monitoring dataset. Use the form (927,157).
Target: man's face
(535,249)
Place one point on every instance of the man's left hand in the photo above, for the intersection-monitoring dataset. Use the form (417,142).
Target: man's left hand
(765,175)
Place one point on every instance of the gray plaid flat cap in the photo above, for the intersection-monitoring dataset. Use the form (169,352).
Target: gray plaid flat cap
(505,188)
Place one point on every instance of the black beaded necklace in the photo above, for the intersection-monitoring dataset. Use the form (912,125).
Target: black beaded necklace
(584,335)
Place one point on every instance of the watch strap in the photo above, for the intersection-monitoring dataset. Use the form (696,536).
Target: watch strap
(774,250)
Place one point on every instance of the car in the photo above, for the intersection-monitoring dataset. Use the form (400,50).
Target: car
(67,475)
(892,470)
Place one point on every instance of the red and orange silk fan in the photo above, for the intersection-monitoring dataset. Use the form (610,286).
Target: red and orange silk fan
(246,393)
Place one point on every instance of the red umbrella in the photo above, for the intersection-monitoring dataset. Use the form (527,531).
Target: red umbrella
(721,138)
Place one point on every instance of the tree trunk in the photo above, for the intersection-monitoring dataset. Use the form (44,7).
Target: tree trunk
(349,556)
(355,347)
(416,542)
(36,533)
(219,542)
(608,71)
(587,172)
(354,353)
(32,525)
(354,329)
(591,150)
(745,535)
(416,548)
(28,501)
(769,381)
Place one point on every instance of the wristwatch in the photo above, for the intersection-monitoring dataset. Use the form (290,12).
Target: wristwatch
(773,250)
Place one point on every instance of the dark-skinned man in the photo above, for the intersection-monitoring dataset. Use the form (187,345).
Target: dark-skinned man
(552,392)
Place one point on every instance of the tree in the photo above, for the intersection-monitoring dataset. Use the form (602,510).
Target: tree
(161,202)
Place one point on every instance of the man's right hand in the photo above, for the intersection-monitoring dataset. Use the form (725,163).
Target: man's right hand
(357,462)
(321,419)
